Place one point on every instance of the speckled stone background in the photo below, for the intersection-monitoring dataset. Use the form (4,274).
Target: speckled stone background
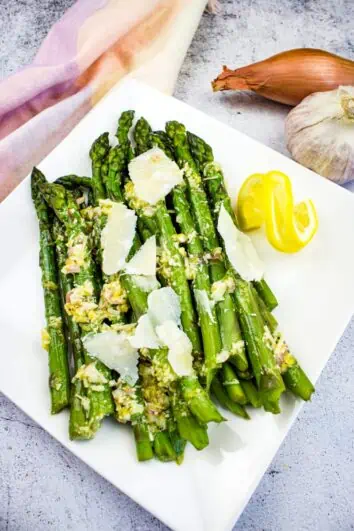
(310,484)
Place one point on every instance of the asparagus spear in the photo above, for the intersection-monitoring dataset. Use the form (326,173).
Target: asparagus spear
(189,427)
(207,315)
(293,375)
(79,263)
(124,124)
(251,393)
(57,349)
(267,374)
(79,424)
(72,181)
(203,155)
(98,153)
(232,385)
(224,399)
(229,327)
(266,314)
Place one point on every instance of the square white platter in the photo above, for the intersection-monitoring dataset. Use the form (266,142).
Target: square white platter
(316,301)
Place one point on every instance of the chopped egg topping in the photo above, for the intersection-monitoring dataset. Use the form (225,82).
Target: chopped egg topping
(77,254)
(128,406)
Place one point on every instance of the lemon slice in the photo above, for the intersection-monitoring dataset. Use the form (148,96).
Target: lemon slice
(249,208)
(268,198)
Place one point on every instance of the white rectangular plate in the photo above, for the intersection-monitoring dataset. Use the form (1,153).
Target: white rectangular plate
(314,290)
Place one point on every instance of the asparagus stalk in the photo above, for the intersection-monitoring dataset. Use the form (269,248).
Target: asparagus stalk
(79,424)
(229,327)
(251,393)
(189,427)
(224,399)
(98,153)
(267,374)
(57,349)
(79,263)
(266,314)
(293,375)
(232,385)
(72,181)
(204,156)
(124,124)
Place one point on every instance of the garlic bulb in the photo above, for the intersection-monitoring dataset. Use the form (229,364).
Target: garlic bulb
(320,133)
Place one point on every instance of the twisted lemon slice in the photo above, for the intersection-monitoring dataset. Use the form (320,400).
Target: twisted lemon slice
(268,199)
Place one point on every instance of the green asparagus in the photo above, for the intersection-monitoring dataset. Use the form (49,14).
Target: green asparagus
(54,333)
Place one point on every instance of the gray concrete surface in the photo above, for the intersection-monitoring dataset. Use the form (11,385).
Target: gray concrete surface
(309,485)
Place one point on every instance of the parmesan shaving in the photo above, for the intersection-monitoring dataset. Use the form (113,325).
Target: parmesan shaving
(239,248)
(154,175)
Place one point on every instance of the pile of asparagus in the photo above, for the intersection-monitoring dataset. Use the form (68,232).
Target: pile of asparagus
(240,358)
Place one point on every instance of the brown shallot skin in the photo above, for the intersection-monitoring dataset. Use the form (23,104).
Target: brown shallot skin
(290,76)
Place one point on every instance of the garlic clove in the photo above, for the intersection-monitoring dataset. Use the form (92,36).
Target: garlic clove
(320,133)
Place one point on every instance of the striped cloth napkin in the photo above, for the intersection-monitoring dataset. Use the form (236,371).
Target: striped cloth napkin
(93,46)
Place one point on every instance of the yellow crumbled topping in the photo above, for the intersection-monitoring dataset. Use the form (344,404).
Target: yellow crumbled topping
(182,251)
(85,402)
(45,339)
(191,236)
(237,347)
(89,374)
(80,304)
(218,290)
(127,404)
(49,284)
(180,238)
(105,206)
(55,382)
(138,204)
(55,322)
(191,264)
(97,388)
(88,213)
(77,254)
(156,398)
(113,294)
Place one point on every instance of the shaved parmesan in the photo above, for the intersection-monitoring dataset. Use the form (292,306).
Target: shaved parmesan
(116,352)
(117,237)
(144,336)
(146,283)
(239,248)
(204,302)
(144,261)
(154,175)
(164,305)
(179,347)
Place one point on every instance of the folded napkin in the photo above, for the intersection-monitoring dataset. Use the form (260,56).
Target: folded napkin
(94,45)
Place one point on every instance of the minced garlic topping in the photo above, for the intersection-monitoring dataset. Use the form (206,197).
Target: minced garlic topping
(45,339)
(77,254)
(89,374)
(127,404)
(80,303)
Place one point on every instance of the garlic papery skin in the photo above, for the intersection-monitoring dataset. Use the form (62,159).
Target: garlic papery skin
(320,133)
